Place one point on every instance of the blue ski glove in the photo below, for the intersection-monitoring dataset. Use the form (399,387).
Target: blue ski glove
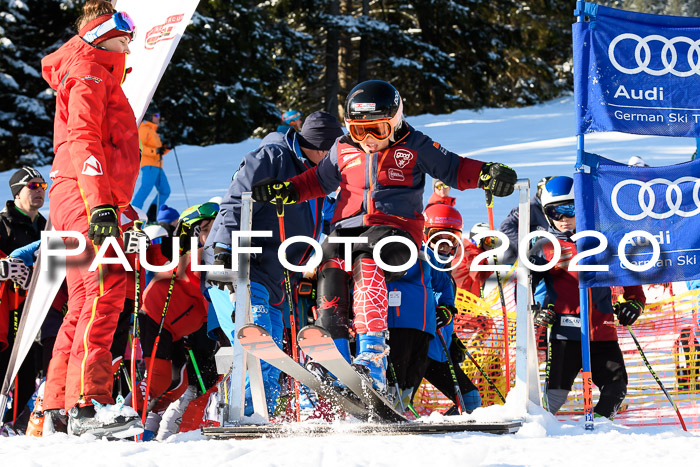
(27,253)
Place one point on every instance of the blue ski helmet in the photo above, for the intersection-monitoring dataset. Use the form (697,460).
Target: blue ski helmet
(291,116)
(557,191)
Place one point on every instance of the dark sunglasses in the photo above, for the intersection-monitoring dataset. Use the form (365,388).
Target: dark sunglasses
(557,212)
(35,185)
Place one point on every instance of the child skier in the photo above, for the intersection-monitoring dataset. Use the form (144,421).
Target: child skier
(561,310)
(380,167)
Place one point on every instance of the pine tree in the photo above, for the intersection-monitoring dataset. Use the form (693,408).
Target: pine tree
(28,31)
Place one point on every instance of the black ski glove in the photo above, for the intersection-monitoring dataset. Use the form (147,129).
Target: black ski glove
(458,351)
(267,190)
(497,178)
(628,312)
(222,279)
(103,224)
(545,317)
(444,315)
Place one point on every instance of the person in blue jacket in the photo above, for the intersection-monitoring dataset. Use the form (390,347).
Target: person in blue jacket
(279,156)
(421,304)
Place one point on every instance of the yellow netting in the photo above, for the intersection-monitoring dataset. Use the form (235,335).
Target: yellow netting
(666,331)
(480,325)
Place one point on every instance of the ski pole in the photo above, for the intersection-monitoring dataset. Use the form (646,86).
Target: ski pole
(658,381)
(149,373)
(486,377)
(135,315)
(506,338)
(396,384)
(288,292)
(196,371)
(181,179)
(15,324)
(458,392)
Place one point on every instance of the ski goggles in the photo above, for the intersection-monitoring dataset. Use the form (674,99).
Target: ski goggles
(194,214)
(35,185)
(440,186)
(360,131)
(557,212)
(120,21)
(444,236)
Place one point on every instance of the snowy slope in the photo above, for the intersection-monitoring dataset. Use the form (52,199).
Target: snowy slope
(536,141)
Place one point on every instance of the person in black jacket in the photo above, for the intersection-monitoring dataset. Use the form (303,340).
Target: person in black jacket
(20,225)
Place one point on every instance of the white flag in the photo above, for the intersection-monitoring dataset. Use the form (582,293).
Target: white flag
(159,26)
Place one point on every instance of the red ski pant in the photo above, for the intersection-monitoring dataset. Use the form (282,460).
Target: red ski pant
(81,366)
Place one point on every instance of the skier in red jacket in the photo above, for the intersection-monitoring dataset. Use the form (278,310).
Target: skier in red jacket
(94,171)
(380,168)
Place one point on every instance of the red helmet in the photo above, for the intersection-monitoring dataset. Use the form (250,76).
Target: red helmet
(442,218)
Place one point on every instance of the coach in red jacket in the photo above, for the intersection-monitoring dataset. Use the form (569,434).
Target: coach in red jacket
(94,172)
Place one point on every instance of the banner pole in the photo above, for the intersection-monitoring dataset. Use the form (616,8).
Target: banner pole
(583,292)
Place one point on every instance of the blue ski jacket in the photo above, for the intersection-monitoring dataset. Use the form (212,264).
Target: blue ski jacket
(279,157)
(412,299)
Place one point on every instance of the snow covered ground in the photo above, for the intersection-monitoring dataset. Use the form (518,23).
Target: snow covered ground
(536,141)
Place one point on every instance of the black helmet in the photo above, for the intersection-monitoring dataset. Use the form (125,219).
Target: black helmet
(371,101)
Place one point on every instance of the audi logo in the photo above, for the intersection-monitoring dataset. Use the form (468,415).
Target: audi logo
(669,56)
(674,198)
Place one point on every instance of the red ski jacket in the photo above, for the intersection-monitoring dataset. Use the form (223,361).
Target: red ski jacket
(188,308)
(386,187)
(563,292)
(95,139)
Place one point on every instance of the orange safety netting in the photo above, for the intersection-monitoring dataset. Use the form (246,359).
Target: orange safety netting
(667,331)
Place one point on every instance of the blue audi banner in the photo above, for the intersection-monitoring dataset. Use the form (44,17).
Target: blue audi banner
(637,73)
(643,223)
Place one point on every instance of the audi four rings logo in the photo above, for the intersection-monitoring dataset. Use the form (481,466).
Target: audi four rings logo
(647,198)
(669,55)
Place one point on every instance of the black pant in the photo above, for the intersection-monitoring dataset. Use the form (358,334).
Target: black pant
(408,355)
(607,368)
(334,302)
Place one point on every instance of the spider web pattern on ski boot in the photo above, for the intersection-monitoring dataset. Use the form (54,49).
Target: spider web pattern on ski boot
(370,297)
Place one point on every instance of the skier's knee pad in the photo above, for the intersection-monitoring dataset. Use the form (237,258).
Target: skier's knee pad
(555,399)
(333,301)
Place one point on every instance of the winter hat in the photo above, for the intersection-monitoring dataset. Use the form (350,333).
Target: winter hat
(114,32)
(319,132)
(21,178)
(167,214)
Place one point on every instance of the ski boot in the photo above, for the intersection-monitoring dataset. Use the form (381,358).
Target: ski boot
(371,358)
(320,371)
(113,421)
(55,421)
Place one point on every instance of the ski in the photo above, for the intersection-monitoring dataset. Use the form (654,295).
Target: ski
(318,344)
(257,341)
